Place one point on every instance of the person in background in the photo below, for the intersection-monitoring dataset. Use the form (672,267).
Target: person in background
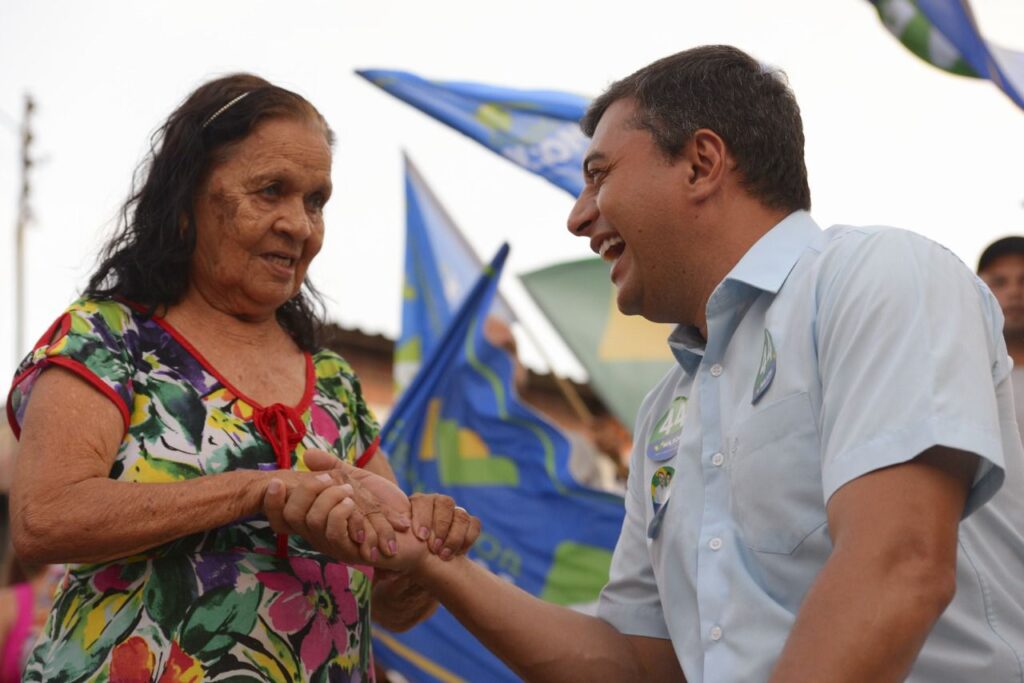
(26,591)
(8,449)
(1001,266)
(25,602)
(159,409)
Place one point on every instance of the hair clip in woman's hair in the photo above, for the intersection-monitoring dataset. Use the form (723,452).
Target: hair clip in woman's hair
(223,109)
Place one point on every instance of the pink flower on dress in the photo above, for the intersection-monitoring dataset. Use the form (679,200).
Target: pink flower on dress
(317,596)
(323,424)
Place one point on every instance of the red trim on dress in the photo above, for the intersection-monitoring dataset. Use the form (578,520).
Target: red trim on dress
(279,424)
(49,337)
(300,407)
(283,428)
(368,454)
(88,375)
(79,369)
(52,335)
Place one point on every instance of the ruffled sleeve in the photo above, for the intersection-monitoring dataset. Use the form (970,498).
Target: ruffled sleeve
(89,340)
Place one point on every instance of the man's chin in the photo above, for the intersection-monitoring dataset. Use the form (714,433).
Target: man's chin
(627,305)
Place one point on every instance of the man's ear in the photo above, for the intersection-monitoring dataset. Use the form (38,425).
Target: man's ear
(707,156)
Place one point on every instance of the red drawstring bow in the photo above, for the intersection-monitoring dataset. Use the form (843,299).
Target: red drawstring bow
(283,428)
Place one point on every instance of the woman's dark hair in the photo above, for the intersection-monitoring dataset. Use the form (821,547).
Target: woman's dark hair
(725,90)
(148,259)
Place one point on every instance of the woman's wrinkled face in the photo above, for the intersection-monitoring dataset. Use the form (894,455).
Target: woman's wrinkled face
(259,218)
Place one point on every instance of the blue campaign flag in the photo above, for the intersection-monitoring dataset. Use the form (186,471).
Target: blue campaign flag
(536,129)
(460,429)
(945,34)
(440,269)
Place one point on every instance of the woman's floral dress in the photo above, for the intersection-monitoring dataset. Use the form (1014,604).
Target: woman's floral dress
(234,603)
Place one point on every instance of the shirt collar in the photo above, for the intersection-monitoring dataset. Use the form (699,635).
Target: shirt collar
(687,346)
(767,264)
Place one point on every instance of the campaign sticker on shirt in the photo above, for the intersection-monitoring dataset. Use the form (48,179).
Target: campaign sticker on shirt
(661,488)
(661,484)
(664,438)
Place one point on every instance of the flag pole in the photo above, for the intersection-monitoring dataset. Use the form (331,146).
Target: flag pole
(568,391)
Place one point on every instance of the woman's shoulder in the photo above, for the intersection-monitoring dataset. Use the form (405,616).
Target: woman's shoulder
(84,326)
(114,315)
(328,363)
(335,378)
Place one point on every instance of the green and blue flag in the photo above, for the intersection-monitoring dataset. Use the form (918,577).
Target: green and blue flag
(459,428)
(945,34)
(536,129)
(624,355)
(440,268)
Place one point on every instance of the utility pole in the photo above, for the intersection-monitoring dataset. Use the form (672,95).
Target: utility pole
(24,216)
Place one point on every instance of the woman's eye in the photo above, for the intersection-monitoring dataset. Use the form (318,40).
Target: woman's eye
(317,201)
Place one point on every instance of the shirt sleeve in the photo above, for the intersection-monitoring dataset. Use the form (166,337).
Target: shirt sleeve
(88,340)
(910,354)
(631,601)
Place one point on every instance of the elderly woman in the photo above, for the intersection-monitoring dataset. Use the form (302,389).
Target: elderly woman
(159,409)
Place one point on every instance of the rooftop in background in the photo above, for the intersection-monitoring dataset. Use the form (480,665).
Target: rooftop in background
(371,357)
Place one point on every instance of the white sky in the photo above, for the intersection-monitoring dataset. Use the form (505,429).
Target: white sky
(890,140)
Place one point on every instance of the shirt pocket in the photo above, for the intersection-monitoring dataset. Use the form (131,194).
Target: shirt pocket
(776,476)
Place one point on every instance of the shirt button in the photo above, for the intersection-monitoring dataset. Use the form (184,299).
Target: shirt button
(716,370)
(717,459)
(715,543)
(716,633)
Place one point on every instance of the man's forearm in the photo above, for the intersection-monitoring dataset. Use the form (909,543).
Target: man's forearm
(399,603)
(860,625)
(538,640)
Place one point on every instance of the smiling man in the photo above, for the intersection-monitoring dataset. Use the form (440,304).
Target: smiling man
(828,484)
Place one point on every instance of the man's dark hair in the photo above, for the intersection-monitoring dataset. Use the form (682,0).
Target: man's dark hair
(1014,244)
(148,259)
(725,90)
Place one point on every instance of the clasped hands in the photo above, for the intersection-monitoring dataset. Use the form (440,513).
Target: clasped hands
(359,517)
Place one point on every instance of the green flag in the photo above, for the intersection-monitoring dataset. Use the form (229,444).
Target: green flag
(625,356)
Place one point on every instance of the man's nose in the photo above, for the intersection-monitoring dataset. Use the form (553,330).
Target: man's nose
(583,214)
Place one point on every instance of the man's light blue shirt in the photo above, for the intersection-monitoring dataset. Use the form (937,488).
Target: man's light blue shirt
(829,355)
